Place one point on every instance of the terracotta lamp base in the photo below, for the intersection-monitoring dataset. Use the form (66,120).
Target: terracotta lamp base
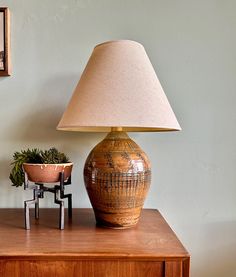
(117,176)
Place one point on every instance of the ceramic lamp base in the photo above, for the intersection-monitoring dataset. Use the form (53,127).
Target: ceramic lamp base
(117,176)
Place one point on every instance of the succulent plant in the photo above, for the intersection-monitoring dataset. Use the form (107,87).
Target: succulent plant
(33,156)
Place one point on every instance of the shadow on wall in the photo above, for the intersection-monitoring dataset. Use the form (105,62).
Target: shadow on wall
(37,124)
(4,168)
(220,250)
(7,188)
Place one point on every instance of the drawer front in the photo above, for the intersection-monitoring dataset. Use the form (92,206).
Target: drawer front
(98,268)
(177,268)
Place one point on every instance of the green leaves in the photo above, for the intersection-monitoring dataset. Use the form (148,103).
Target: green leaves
(34,156)
(53,156)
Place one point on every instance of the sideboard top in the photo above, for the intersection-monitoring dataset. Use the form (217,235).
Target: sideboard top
(151,238)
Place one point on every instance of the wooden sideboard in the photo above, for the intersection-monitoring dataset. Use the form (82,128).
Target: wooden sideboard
(151,249)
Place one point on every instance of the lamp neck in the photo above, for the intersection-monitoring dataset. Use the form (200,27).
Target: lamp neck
(116,129)
(117,135)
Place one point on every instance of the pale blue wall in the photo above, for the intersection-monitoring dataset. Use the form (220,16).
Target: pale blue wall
(192,45)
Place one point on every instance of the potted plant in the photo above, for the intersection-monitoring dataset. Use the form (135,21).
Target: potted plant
(40,166)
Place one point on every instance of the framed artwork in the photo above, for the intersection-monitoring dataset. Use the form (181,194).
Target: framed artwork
(4,42)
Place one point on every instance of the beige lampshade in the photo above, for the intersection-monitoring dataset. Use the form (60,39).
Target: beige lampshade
(119,88)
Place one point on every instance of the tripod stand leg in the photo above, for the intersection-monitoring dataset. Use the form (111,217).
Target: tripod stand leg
(69,205)
(27,203)
(27,219)
(57,200)
(36,210)
(62,216)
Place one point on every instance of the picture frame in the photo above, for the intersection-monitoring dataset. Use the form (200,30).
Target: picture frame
(4,42)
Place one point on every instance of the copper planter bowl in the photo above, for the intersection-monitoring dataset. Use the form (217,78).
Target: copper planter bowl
(47,173)
(117,176)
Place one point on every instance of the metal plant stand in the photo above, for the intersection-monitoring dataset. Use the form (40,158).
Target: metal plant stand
(59,195)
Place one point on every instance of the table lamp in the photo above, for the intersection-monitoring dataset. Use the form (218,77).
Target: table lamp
(118,92)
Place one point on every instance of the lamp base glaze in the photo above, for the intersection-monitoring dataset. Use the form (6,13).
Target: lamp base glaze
(117,176)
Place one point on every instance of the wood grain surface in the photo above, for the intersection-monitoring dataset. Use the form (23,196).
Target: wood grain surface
(150,249)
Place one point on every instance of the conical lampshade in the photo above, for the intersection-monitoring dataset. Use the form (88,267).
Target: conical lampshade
(119,88)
